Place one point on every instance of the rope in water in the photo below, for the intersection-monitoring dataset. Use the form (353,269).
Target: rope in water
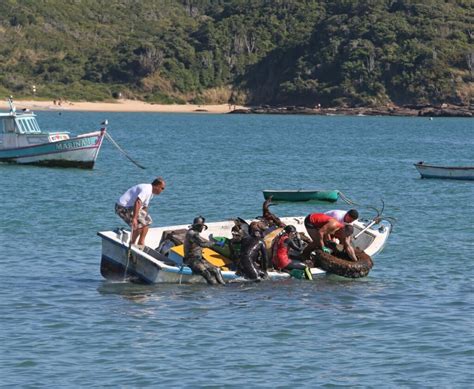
(346,199)
(109,137)
(129,254)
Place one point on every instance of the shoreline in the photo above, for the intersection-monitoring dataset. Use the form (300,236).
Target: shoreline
(124,105)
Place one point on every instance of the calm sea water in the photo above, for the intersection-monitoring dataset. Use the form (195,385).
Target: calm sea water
(409,324)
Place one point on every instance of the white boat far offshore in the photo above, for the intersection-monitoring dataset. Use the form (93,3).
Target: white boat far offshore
(449,172)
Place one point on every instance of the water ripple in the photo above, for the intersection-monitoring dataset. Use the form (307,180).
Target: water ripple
(409,324)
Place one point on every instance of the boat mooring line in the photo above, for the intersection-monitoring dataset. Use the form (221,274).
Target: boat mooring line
(346,199)
(129,252)
(109,137)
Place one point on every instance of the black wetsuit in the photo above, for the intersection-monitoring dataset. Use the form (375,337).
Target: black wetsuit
(234,243)
(295,247)
(193,245)
(252,251)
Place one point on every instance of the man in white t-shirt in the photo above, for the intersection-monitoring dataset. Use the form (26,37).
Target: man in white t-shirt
(341,216)
(132,207)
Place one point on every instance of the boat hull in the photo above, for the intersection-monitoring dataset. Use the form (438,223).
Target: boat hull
(302,195)
(119,262)
(78,152)
(445,172)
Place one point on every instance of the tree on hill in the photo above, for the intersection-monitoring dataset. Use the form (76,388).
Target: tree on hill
(298,52)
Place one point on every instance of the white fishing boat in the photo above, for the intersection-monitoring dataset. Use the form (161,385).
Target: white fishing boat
(120,260)
(450,172)
(23,142)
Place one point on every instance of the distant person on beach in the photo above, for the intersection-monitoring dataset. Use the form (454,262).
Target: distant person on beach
(193,245)
(132,207)
(342,216)
(321,228)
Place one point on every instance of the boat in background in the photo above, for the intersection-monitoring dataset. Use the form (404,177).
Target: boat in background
(450,172)
(23,142)
(161,260)
(301,195)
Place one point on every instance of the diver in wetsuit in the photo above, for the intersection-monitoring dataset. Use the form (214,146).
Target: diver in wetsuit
(252,251)
(286,244)
(193,245)
(238,232)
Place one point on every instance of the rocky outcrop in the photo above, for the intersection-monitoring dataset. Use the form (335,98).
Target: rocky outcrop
(426,111)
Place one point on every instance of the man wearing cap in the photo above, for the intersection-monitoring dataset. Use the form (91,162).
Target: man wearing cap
(193,245)
(132,207)
(321,227)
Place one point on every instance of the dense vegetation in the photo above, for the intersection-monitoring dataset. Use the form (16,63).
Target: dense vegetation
(293,52)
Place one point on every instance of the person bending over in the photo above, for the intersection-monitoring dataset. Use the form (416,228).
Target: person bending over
(321,228)
(132,207)
(342,216)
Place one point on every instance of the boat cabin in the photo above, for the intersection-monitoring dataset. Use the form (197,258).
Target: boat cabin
(25,124)
(20,129)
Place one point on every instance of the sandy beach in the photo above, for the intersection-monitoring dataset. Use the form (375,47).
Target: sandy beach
(122,106)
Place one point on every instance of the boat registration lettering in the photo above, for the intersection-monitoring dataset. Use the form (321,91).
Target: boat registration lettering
(56,137)
(76,144)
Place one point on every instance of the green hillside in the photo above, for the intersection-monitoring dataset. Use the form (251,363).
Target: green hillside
(290,52)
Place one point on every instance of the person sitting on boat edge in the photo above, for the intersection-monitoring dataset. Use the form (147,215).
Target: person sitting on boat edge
(286,240)
(321,228)
(342,216)
(253,252)
(132,208)
(193,245)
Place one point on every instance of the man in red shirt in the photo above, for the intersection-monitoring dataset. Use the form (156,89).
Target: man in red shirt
(321,227)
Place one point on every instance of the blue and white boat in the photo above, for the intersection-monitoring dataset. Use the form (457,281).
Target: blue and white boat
(23,142)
